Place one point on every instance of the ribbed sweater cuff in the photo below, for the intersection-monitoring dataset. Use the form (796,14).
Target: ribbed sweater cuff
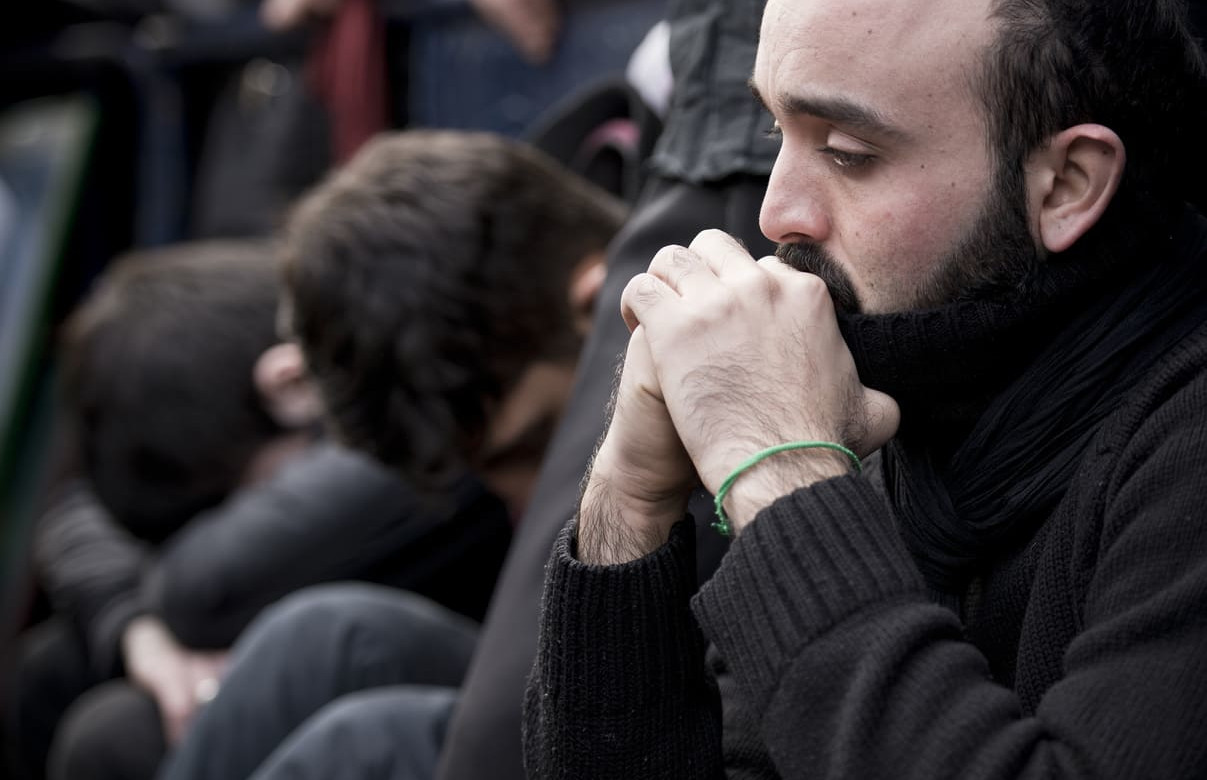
(620,689)
(806,563)
(628,624)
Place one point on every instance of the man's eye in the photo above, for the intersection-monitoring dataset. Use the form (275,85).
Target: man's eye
(847,159)
(775,131)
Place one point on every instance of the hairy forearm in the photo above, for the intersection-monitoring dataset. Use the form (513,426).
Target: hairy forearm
(759,486)
(604,538)
(616,525)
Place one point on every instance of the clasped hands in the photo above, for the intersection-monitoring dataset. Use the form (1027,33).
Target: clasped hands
(180,679)
(728,356)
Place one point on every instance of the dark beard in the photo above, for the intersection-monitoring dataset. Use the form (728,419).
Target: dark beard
(995,257)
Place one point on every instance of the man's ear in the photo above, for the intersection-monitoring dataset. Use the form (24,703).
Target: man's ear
(585,284)
(1071,182)
(285,387)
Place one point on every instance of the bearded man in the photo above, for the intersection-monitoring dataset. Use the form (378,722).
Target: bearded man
(991,271)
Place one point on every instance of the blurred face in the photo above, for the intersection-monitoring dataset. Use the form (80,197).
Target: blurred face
(519,430)
(885,184)
(150,489)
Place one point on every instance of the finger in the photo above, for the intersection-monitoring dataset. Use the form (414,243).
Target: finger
(542,22)
(638,368)
(773,265)
(174,728)
(725,255)
(783,279)
(532,27)
(806,293)
(534,41)
(216,663)
(683,270)
(279,14)
(641,296)
(176,707)
(802,280)
(287,14)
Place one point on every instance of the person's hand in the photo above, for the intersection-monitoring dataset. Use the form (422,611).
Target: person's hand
(287,14)
(531,25)
(180,680)
(641,476)
(748,355)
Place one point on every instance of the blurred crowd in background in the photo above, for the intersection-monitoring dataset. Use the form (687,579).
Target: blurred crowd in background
(159,146)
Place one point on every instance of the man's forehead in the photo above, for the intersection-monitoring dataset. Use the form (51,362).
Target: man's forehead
(883,43)
(900,20)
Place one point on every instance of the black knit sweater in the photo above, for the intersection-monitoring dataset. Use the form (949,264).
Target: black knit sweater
(1080,649)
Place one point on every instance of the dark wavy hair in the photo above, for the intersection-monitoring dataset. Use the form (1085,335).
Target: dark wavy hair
(425,276)
(1131,65)
(157,366)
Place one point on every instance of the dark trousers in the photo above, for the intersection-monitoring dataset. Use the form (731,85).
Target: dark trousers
(392,733)
(291,675)
(113,732)
(51,671)
(62,721)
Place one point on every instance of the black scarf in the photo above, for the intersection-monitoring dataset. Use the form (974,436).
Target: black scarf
(1000,399)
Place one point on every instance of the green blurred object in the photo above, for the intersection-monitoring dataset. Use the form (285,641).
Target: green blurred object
(45,146)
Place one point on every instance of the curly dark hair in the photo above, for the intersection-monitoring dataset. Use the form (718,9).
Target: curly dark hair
(157,365)
(1131,65)
(425,276)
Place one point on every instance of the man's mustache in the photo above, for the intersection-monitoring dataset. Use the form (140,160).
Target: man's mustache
(814,259)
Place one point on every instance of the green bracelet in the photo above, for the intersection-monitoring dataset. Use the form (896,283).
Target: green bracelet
(722,524)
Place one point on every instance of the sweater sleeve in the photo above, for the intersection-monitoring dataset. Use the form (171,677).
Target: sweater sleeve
(91,569)
(619,688)
(823,621)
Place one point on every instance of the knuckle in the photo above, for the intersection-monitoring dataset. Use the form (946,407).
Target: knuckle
(685,257)
(768,282)
(666,256)
(763,288)
(811,284)
(814,290)
(638,282)
(682,258)
(707,236)
(727,305)
(645,290)
(628,296)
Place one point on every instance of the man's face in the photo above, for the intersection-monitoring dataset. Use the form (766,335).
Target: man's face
(885,180)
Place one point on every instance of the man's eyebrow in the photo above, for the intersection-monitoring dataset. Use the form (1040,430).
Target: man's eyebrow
(754,90)
(840,111)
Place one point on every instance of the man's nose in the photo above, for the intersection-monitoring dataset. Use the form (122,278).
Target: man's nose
(793,208)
